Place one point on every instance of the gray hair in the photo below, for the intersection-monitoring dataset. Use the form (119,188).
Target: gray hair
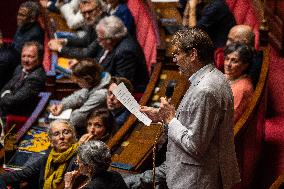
(67,123)
(112,27)
(96,154)
(33,8)
(100,3)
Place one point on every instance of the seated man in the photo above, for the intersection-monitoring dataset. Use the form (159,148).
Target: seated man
(122,56)
(19,94)
(214,17)
(87,46)
(48,171)
(120,9)
(28,27)
(8,61)
(70,11)
(119,112)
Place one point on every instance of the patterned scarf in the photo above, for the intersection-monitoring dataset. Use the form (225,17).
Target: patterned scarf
(53,178)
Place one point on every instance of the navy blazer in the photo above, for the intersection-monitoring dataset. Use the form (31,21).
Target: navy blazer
(28,32)
(216,19)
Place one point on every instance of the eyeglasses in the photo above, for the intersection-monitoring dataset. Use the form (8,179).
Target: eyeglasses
(65,132)
(89,12)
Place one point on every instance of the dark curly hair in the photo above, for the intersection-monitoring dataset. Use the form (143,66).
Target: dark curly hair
(192,37)
(245,52)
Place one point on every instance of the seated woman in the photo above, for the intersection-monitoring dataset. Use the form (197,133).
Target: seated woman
(89,76)
(100,126)
(48,172)
(94,159)
(238,58)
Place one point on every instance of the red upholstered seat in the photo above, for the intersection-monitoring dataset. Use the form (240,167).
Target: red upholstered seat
(245,12)
(11,120)
(146,30)
(46,56)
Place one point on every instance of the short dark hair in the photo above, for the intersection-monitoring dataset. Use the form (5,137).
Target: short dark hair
(118,80)
(33,8)
(88,69)
(245,52)
(39,48)
(192,37)
(106,118)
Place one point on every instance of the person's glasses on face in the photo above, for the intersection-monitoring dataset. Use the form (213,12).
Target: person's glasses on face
(65,133)
(91,12)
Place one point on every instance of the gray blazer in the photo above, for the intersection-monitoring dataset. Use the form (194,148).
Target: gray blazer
(200,151)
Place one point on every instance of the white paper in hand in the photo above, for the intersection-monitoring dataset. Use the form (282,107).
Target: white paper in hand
(65,114)
(125,97)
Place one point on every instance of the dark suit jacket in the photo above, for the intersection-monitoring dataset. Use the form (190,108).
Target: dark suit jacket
(22,99)
(127,60)
(9,59)
(216,19)
(29,32)
(82,47)
(107,180)
(33,173)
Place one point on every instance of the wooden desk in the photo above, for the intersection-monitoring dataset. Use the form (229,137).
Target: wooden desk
(167,11)
(62,87)
(132,145)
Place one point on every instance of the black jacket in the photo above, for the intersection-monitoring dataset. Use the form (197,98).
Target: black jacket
(22,99)
(28,32)
(107,180)
(9,59)
(82,47)
(33,173)
(127,60)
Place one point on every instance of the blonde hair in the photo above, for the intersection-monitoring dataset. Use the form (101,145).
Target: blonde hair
(65,122)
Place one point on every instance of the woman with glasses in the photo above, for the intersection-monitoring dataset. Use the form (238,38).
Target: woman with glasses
(48,172)
(93,160)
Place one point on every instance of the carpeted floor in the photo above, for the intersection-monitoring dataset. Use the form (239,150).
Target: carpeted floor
(272,163)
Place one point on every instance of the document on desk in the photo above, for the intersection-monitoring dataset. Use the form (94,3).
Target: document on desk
(65,114)
(125,97)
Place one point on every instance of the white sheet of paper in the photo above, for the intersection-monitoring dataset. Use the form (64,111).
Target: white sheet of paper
(125,97)
(65,114)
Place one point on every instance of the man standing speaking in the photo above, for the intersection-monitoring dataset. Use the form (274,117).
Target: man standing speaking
(200,151)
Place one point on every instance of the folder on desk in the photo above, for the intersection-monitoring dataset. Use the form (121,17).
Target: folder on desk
(62,66)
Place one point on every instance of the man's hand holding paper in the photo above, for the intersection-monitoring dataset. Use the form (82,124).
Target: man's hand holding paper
(165,113)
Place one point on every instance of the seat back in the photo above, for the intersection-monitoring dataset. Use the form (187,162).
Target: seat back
(248,13)
(249,129)
(146,30)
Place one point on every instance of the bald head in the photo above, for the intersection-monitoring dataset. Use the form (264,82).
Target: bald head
(241,34)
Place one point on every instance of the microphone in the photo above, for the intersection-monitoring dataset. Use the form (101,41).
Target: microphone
(170,89)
